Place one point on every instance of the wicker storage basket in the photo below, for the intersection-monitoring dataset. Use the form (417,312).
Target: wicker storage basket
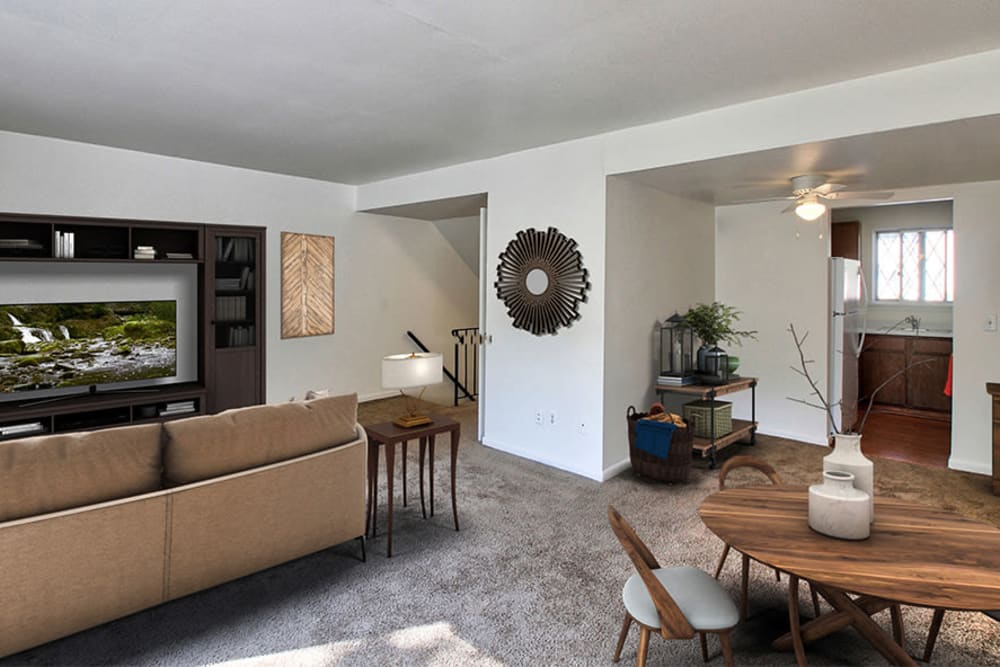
(702,414)
(674,468)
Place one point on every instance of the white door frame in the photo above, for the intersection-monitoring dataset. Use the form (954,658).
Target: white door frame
(484,337)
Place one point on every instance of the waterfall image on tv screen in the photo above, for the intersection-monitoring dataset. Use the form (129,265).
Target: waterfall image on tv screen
(59,345)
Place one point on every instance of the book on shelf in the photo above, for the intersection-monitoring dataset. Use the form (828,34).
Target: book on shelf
(177,408)
(234,250)
(178,255)
(21,429)
(144,252)
(64,245)
(678,380)
(240,336)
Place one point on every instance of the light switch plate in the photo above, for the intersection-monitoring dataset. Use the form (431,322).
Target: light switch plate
(991,322)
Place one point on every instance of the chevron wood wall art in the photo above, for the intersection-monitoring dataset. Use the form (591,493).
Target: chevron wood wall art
(307,296)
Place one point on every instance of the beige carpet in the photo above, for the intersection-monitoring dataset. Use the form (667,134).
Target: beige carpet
(533,578)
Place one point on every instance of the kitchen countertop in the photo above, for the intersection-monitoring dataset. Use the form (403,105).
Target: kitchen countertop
(908,331)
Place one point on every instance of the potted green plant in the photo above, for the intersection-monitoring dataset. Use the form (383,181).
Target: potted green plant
(715,323)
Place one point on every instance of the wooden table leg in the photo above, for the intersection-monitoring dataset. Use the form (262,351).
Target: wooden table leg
(430,469)
(423,452)
(868,628)
(830,622)
(793,619)
(390,456)
(373,448)
(454,466)
(404,473)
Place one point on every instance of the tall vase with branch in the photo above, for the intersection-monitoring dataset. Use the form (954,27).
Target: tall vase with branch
(846,455)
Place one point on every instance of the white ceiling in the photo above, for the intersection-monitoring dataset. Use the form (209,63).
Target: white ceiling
(359,90)
(960,151)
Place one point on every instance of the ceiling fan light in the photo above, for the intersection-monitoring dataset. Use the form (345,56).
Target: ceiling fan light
(810,208)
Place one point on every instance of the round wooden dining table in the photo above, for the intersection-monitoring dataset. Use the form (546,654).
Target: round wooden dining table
(916,555)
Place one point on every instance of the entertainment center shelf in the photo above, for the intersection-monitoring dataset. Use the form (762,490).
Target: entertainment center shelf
(227,340)
(101,410)
(38,238)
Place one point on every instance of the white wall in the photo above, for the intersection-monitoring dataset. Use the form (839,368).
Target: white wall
(776,279)
(463,235)
(560,186)
(660,258)
(923,215)
(977,352)
(794,274)
(391,274)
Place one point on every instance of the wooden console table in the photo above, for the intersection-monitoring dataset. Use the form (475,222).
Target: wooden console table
(993,389)
(741,428)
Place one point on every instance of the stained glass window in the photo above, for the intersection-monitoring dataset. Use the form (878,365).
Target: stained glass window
(915,265)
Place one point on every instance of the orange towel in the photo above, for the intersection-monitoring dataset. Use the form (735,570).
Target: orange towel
(947,385)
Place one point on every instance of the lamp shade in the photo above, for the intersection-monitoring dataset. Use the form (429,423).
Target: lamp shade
(404,371)
(810,208)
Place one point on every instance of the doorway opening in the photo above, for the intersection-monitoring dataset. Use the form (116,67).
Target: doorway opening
(906,256)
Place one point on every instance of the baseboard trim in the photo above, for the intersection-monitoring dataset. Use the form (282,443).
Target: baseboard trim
(377,395)
(800,437)
(965,465)
(616,469)
(531,456)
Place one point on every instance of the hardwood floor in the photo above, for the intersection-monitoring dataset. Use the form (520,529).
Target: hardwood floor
(921,439)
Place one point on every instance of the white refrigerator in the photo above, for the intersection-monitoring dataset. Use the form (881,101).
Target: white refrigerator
(848,302)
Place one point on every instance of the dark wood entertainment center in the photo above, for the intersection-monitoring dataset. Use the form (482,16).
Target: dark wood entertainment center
(230,297)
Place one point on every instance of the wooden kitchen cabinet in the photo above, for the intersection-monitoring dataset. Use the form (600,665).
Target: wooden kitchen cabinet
(919,387)
(925,383)
(882,356)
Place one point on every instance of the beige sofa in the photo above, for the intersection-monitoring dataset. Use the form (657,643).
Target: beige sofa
(95,526)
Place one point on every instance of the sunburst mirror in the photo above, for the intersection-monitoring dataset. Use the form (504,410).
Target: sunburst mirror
(541,280)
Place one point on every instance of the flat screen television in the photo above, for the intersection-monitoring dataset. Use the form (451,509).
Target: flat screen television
(54,349)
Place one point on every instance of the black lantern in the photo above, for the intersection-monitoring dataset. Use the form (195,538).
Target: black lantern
(716,366)
(676,348)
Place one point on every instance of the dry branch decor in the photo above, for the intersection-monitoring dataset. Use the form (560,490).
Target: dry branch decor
(307,296)
(553,301)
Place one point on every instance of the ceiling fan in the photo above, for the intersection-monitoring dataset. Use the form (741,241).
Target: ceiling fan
(810,192)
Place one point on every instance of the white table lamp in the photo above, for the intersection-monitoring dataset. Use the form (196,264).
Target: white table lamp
(409,371)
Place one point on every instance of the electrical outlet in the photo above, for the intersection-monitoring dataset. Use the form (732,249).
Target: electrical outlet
(582,427)
(991,322)
(552,419)
(539,418)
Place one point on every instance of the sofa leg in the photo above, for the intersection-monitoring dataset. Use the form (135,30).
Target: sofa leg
(364,556)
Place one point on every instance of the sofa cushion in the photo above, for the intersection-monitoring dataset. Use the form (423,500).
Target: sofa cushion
(56,472)
(204,447)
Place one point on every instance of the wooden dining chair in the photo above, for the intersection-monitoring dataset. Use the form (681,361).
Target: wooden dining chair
(676,602)
(772,474)
(932,634)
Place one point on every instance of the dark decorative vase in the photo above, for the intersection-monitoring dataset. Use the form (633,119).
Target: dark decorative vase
(713,365)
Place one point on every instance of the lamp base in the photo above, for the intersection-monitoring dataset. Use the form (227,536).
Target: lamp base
(409,421)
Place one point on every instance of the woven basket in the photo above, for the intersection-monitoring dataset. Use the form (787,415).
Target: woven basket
(674,468)
(703,414)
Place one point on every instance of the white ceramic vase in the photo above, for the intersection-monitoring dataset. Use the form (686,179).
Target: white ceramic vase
(847,457)
(838,509)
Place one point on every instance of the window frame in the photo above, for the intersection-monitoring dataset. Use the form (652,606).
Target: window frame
(949,266)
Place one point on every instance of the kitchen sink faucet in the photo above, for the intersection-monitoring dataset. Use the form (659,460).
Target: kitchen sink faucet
(913,321)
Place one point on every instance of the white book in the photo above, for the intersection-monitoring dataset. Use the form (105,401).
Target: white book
(71,245)
(58,245)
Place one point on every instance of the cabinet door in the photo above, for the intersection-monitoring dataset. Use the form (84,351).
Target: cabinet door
(883,357)
(925,384)
(234,306)
(236,379)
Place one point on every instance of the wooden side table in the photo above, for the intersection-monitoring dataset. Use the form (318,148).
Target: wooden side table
(741,428)
(389,435)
